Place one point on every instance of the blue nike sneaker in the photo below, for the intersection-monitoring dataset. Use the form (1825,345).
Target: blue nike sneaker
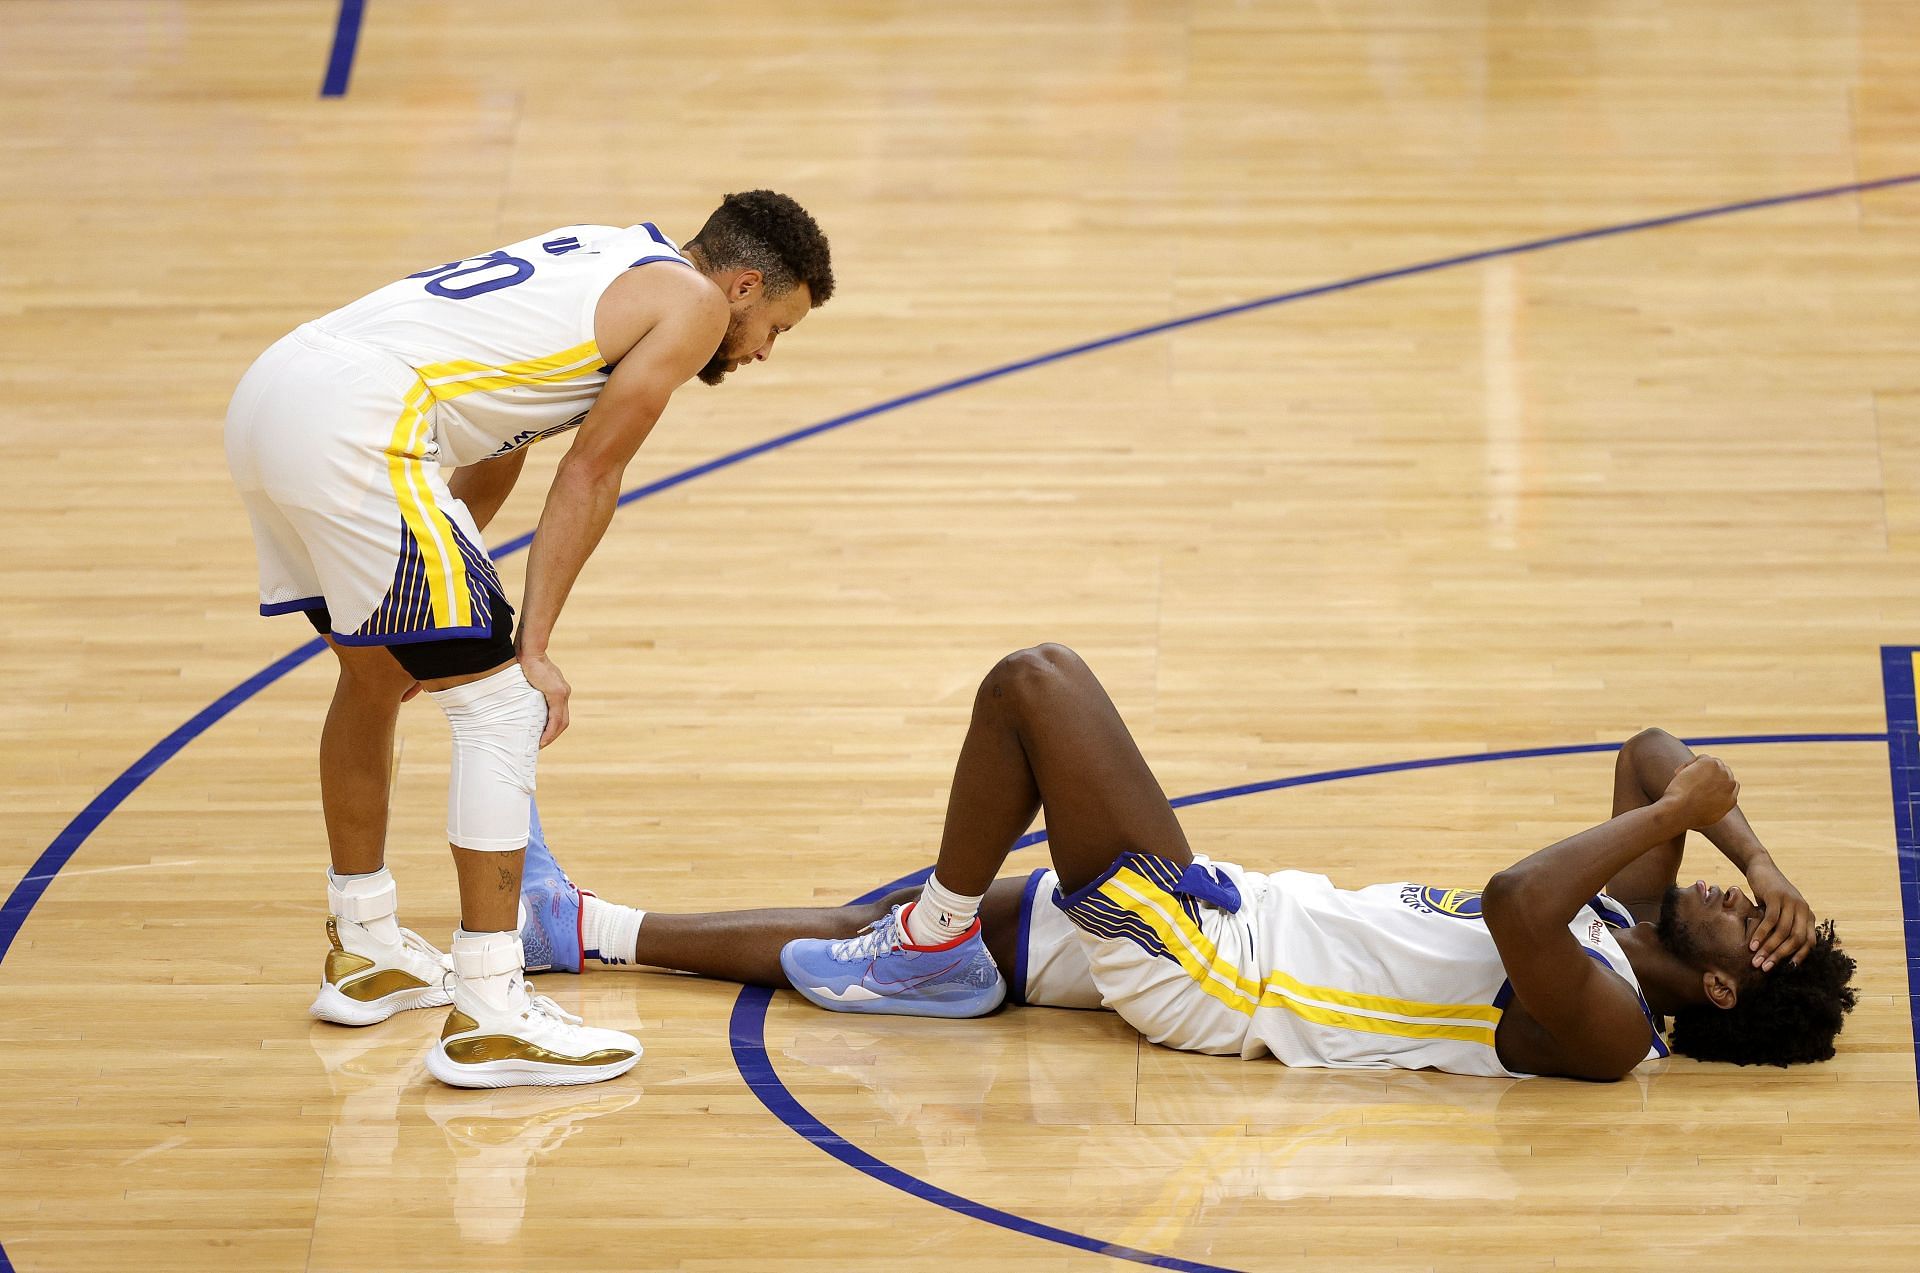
(551,927)
(879,971)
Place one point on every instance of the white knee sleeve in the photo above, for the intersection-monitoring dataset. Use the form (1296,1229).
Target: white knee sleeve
(496,746)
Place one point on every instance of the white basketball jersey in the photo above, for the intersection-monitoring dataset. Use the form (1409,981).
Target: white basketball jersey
(504,342)
(1400,975)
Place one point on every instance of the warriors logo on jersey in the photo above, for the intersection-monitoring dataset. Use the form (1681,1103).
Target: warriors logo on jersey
(1461,903)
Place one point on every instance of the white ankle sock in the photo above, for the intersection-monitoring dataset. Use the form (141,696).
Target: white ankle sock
(940,915)
(370,900)
(608,932)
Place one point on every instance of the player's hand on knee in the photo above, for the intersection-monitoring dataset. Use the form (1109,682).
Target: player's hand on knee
(545,677)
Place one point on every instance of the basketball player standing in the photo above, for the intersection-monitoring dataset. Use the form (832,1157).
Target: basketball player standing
(371,447)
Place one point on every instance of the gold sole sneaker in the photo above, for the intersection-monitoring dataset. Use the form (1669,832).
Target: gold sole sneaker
(366,988)
(542,1047)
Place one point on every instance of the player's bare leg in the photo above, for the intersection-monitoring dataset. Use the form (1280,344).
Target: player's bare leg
(1044,735)
(356,755)
(374,968)
(744,946)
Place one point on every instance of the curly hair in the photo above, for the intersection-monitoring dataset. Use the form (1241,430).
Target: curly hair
(769,232)
(1790,1017)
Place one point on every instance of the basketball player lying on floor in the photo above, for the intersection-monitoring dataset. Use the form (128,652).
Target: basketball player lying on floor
(1541,972)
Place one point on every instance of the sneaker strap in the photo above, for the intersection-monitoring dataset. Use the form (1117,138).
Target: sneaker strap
(363,898)
(477,956)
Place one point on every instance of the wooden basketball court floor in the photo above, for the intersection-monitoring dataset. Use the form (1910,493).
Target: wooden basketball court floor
(1477,489)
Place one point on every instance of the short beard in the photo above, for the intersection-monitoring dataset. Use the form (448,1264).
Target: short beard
(717,366)
(1678,941)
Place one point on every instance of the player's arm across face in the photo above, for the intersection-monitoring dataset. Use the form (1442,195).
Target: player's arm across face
(683,319)
(1646,764)
(1592,1014)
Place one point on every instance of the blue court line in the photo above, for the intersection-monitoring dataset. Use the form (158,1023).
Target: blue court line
(1230,311)
(747,1028)
(1903,763)
(346,39)
(28,891)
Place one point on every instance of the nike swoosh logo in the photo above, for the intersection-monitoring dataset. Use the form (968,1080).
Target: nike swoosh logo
(894,987)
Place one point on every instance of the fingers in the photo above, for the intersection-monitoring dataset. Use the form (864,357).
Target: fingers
(1791,938)
(1803,939)
(556,716)
(412,692)
(1761,944)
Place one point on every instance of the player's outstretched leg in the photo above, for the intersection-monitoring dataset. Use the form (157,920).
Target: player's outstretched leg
(1044,733)
(374,968)
(563,925)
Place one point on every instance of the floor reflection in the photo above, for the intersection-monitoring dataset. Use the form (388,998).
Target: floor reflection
(494,1138)
(367,1069)
(1065,1116)
(497,1137)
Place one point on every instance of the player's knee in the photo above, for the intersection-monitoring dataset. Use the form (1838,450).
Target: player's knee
(496,724)
(1637,746)
(1027,675)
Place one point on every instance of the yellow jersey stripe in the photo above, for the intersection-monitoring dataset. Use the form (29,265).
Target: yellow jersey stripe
(458,377)
(1281,981)
(1201,960)
(1485,1013)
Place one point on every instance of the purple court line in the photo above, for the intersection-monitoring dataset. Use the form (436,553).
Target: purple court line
(346,40)
(1903,763)
(21,901)
(747,1027)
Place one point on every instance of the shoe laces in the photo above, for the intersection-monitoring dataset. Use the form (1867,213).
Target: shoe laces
(541,1006)
(415,942)
(877,938)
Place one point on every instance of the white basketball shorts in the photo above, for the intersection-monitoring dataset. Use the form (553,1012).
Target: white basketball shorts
(1093,949)
(331,444)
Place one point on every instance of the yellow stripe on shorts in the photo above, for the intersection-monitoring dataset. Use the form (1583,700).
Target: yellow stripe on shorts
(1322,1005)
(446,571)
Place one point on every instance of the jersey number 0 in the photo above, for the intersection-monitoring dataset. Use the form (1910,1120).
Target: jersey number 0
(475,276)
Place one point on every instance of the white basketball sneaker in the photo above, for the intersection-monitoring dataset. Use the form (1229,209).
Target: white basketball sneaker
(376,968)
(500,1034)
